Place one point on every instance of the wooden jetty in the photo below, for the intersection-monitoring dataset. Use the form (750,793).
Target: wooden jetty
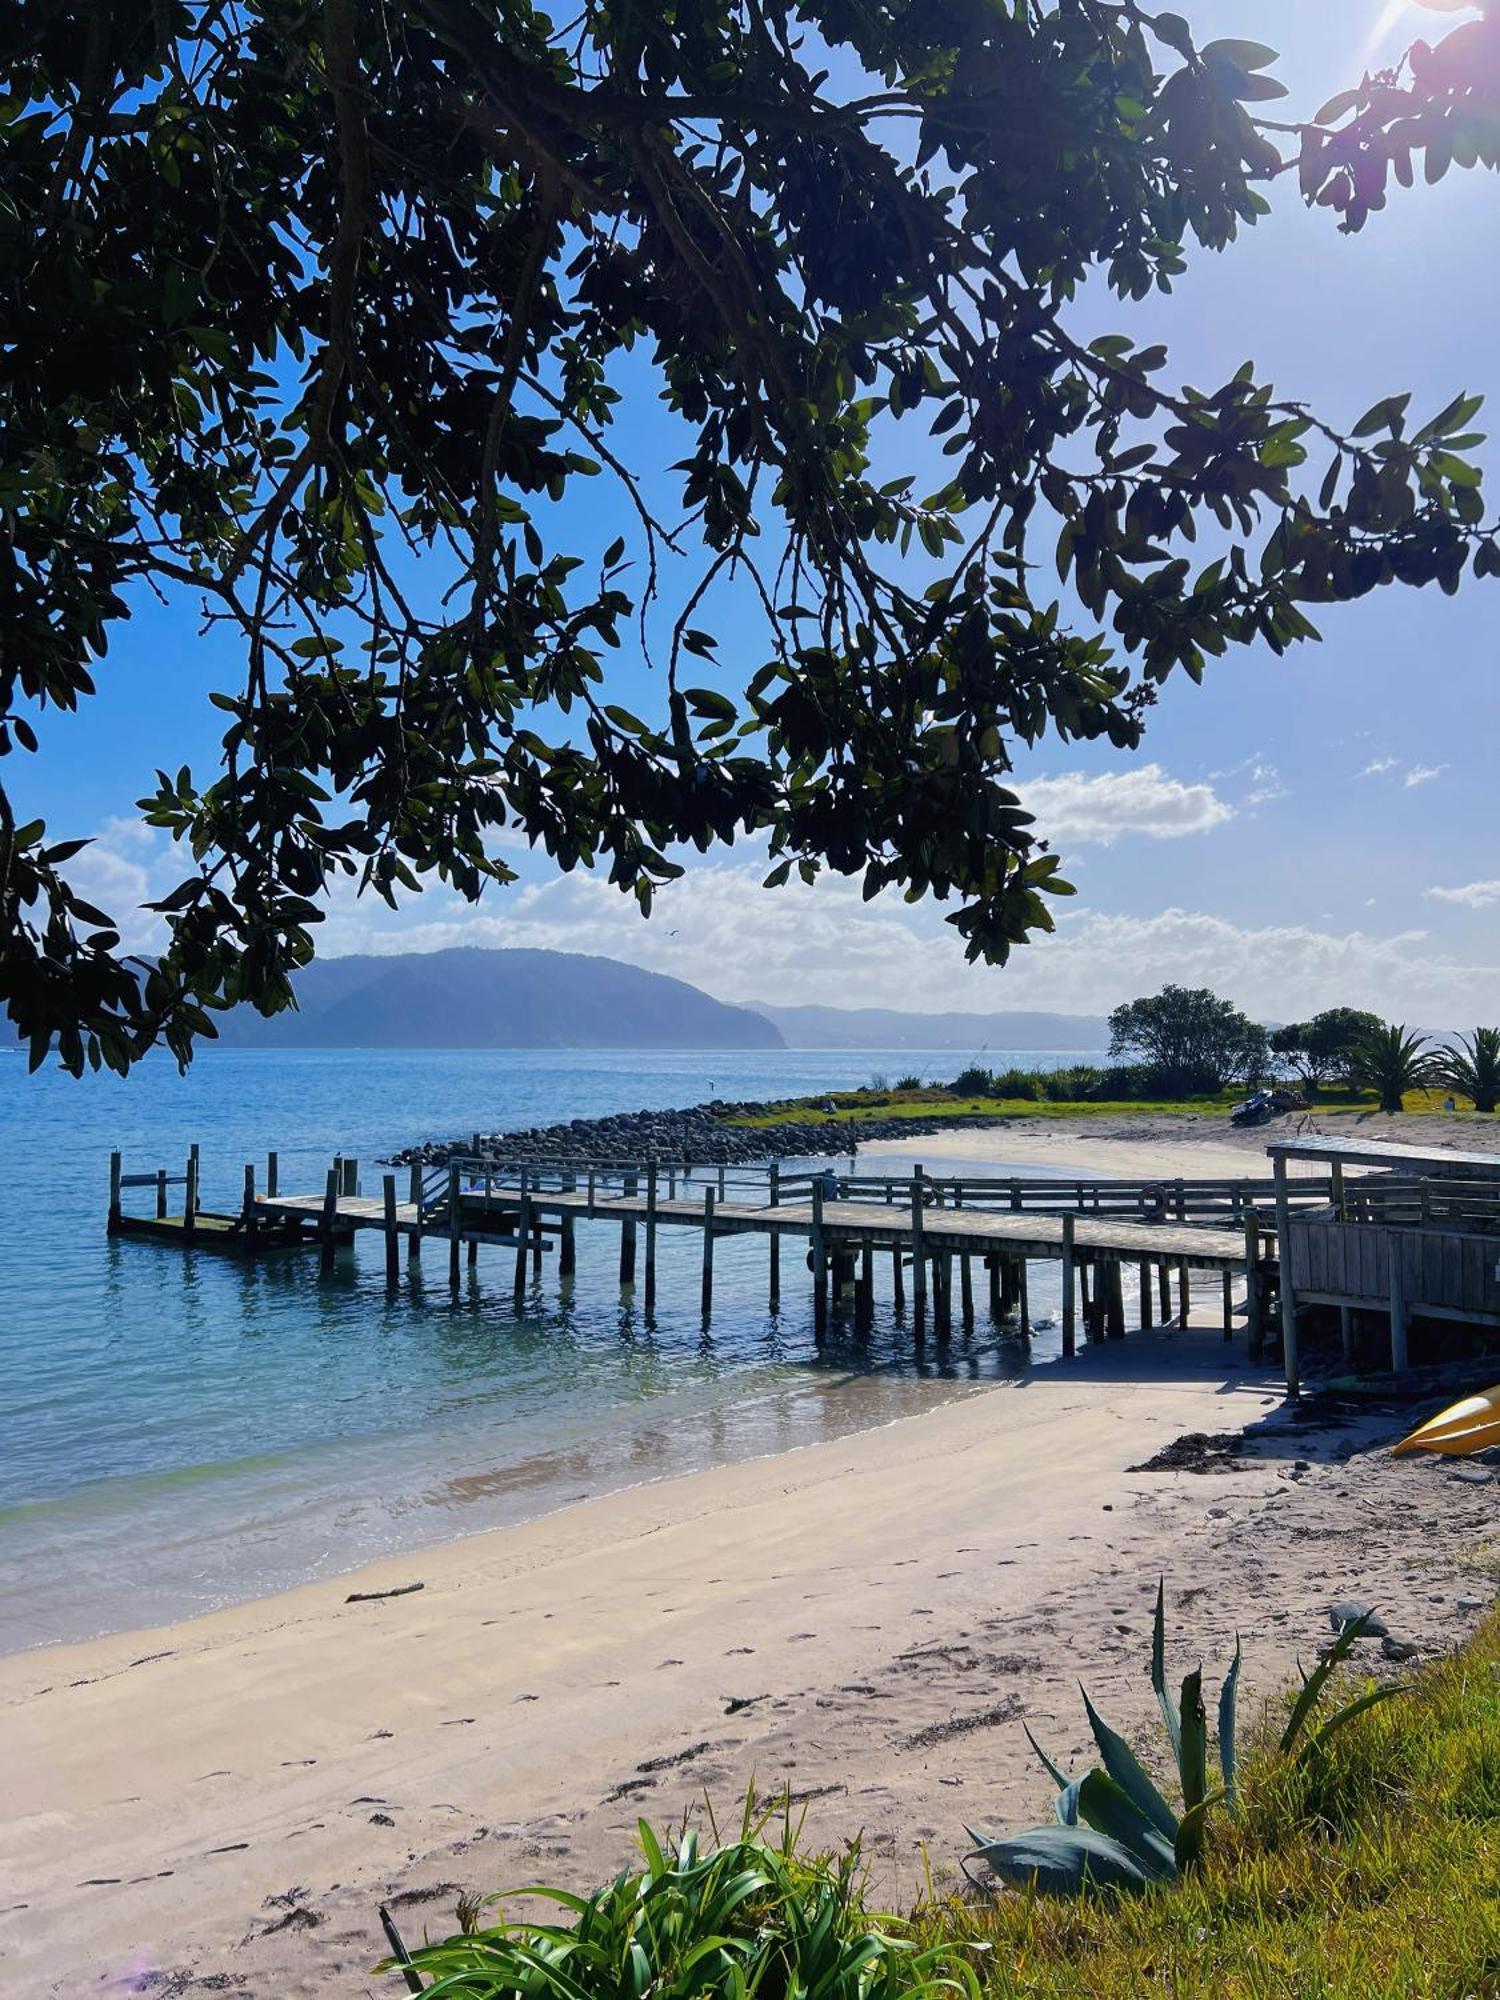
(934,1233)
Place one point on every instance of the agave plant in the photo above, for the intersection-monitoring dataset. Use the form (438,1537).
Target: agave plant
(696,1923)
(1114,1827)
(1391,1060)
(1473,1068)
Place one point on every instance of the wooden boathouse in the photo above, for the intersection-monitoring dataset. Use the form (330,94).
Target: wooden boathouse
(933,1233)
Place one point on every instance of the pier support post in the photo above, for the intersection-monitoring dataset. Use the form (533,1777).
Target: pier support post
(651,1236)
(330,1218)
(454,1220)
(1400,1358)
(1164,1290)
(247,1204)
(113,1225)
(1115,1298)
(1023,1282)
(414,1196)
(1147,1316)
(1086,1300)
(1288,1290)
(707,1300)
(1228,1306)
(161,1194)
(1254,1302)
(1346,1334)
(898,1279)
(273,1175)
(819,1262)
(942,1290)
(1184,1296)
(523,1233)
(190,1199)
(865,1297)
(1069,1305)
(392,1234)
(992,1263)
(966,1289)
(774,1179)
(351,1177)
(627,1238)
(918,1258)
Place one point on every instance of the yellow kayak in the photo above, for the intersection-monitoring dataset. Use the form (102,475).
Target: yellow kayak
(1466,1427)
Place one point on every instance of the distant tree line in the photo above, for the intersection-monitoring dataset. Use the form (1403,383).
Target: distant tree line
(1188,1042)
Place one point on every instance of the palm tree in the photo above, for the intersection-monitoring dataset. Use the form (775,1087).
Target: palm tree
(1393,1061)
(1473,1068)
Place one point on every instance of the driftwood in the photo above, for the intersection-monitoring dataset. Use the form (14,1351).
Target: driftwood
(375,1596)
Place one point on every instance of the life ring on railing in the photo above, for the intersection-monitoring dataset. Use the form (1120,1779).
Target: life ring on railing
(1153,1203)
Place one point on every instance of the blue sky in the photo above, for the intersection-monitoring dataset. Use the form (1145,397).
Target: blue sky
(1285,832)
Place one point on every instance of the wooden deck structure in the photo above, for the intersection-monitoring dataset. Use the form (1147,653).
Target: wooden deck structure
(1419,1239)
(934,1232)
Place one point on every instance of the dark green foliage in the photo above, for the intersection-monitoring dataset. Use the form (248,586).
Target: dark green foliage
(1322,1050)
(1189,1041)
(1392,1060)
(315,310)
(1473,1068)
(1115,1829)
(749,1918)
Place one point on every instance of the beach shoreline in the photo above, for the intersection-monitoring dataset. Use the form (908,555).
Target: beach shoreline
(867,1622)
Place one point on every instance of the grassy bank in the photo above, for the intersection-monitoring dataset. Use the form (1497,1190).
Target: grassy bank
(933,1103)
(1369,1873)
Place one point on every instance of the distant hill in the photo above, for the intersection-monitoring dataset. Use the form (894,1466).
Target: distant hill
(473,999)
(969,1034)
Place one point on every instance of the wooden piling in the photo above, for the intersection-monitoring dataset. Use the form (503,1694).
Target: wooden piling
(627,1241)
(329,1220)
(273,1175)
(1228,1306)
(1115,1298)
(1400,1326)
(1024,1287)
(1147,1316)
(392,1234)
(774,1178)
(651,1236)
(1184,1296)
(966,1289)
(898,1279)
(567,1248)
(992,1265)
(161,1194)
(1288,1291)
(865,1301)
(918,1258)
(1069,1305)
(455,1219)
(708,1252)
(1254,1302)
(351,1177)
(112,1226)
(819,1261)
(1085,1300)
(414,1196)
(190,1198)
(1164,1290)
(523,1231)
(247,1203)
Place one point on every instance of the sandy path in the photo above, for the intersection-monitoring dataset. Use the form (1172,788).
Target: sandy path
(1154,1145)
(223,1803)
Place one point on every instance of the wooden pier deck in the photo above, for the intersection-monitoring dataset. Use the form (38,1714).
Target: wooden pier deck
(934,1232)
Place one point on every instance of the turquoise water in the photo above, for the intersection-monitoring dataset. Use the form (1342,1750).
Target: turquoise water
(185,1431)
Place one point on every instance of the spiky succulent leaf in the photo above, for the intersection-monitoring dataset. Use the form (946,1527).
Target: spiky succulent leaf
(1188,1847)
(1192,1755)
(1129,1774)
(1370,1699)
(1061,1860)
(1314,1683)
(1109,1810)
(1059,1777)
(1228,1726)
(1159,1670)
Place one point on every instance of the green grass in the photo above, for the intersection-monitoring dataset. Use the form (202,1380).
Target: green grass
(859,1107)
(1370,1873)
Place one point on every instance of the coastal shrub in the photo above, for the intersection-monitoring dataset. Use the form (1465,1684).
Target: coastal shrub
(752,1917)
(1022,1083)
(1114,1828)
(974,1081)
(908,1083)
(1364,1872)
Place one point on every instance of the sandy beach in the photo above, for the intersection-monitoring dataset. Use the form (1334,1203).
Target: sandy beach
(220,1806)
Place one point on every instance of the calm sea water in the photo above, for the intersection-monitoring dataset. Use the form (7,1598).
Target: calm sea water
(185,1431)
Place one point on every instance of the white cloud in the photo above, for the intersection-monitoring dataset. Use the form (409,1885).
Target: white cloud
(1473,895)
(720,930)
(126,865)
(1377,767)
(1422,774)
(1103,809)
